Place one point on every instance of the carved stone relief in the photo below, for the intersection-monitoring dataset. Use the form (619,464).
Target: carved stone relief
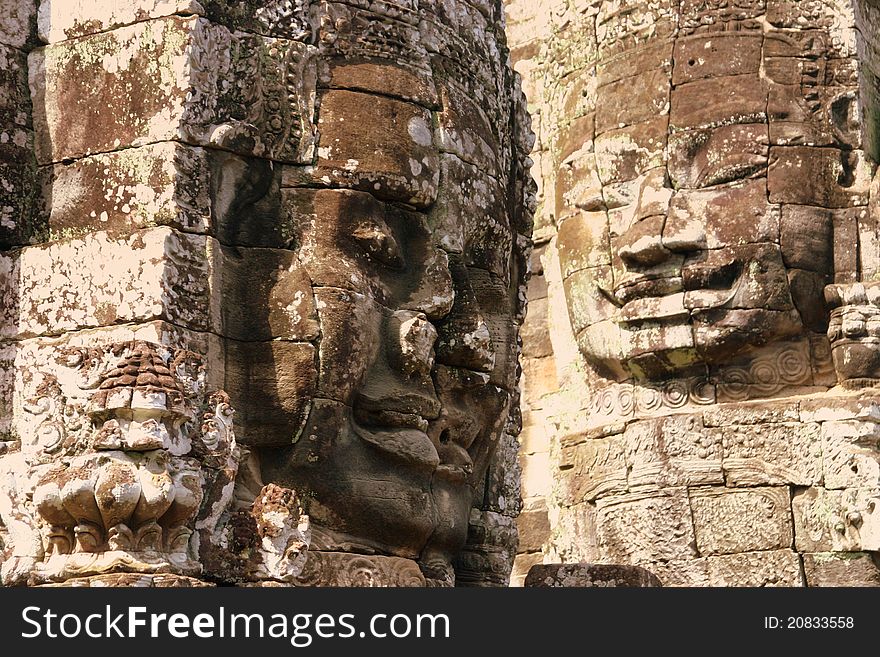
(327,205)
(707,218)
(126,464)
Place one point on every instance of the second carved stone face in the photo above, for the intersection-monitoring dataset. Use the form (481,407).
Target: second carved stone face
(699,226)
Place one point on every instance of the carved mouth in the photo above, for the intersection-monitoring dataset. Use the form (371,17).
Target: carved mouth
(635,288)
(411,446)
(456,464)
(398,434)
(391,419)
(674,298)
(405,436)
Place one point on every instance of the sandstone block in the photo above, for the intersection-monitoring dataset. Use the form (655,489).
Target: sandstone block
(465,130)
(97,281)
(619,32)
(571,136)
(729,521)
(719,100)
(19,214)
(775,454)
(535,435)
(167,184)
(836,520)
(641,527)
(586,304)
(521,566)
(574,533)
(672,451)
(851,454)
(869,234)
(262,294)
(827,407)
(379,145)
(469,216)
(147,82)
(15,105)
(774,568)
(709,56)
(535,331)
(626,153)
(841,569)
(370,77)
(650,55)
(591,469)
(536,480)
(845,228)
(59,20)
(632,100)
(752,221)
(16,22)
(791,117)
(681,572)
(589,575)
(754,412)
(533,527)
(804,234)
(801,175)
(273,383)
(711,156)
(583,242)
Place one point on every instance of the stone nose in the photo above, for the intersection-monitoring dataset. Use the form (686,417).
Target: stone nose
(412,339)
(642,245)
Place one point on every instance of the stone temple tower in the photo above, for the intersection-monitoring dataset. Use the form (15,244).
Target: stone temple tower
(261,282)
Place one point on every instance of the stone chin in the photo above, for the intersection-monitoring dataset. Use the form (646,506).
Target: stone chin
(373,490)
(718,306)
(656,348)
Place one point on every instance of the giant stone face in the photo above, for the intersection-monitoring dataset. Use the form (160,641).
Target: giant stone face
(416,357)
(697,216)
(327,204)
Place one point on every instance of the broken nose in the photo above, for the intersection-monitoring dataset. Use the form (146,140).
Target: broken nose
(414,338)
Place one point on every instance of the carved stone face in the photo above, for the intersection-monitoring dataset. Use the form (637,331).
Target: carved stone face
(699,225)
(415,360)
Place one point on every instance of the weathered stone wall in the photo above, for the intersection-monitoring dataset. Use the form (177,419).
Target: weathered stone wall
(685,409)
(18,216)
(553,369)
(306,195)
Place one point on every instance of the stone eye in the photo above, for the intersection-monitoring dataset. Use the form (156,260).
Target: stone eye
(379,244)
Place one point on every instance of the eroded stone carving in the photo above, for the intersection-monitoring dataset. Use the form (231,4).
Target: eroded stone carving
(328,202)
(127,465)
(709,211)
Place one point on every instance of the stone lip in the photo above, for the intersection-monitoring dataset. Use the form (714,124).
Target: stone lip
(589,575)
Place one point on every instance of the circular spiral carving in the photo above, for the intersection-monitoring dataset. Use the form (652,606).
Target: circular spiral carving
(792,365)
(735,383)
(626,400)
(702,391)
(649,399)
(765,376)
(409,575)
(821,349)
(674,394)
(606,401)
(362,572)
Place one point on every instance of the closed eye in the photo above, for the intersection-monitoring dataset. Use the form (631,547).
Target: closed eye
(379,245)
